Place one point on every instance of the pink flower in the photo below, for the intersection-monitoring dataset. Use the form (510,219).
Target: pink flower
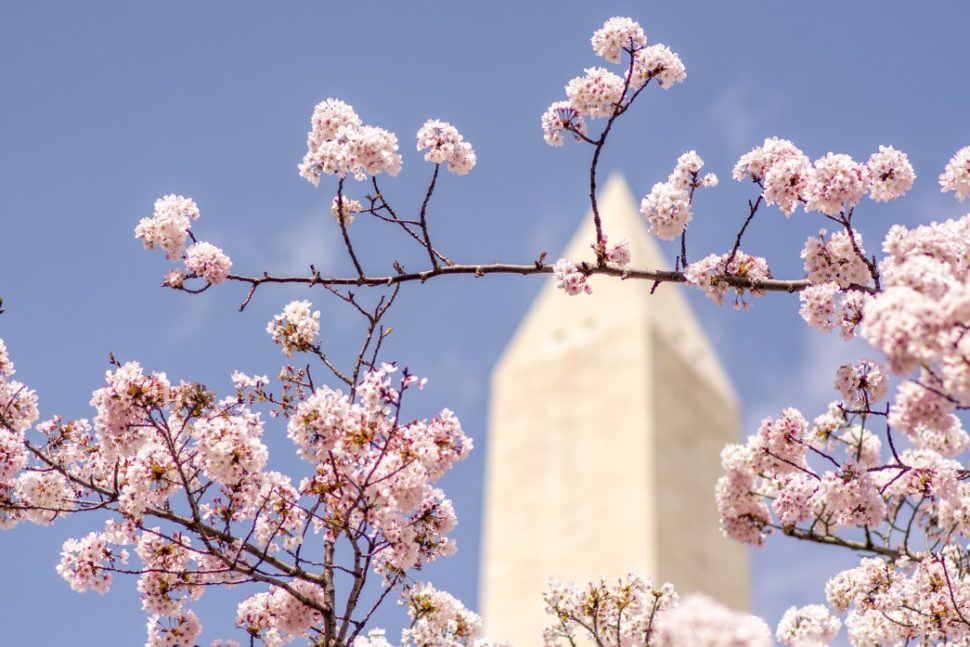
(862,384)
(707,274)
(446,145)
(818,305)
(892,174)
(346,214)
(617,35)
(836,259)
(667,209)
(296,328)
(597,94)
(208,262)
(956,175)
(338,143)
(657,61)
(837,184)
(168,227)
(569,279)
(699,621)
(559,117)
(619,253)
(808,626)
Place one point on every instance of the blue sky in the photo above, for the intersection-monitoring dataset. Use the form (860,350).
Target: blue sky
(109,105)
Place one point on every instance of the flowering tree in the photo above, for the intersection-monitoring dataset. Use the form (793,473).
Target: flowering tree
(181,471)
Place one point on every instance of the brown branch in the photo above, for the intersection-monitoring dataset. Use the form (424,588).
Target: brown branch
(832,540)
(659,276)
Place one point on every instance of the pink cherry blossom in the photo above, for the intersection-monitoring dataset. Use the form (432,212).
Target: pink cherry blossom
(569,279)
(562,116)
(707,274)
(837,184)
(296,328)
(338,143)
(699,621)
(597,94)
(657,61)
(891,173)
(617,34)
(956,175)
(808,626)
(862,384)
(208,262)
(445,145)
(169,226)
(346,215)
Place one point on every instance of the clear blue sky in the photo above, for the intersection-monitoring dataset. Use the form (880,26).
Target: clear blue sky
(107,106)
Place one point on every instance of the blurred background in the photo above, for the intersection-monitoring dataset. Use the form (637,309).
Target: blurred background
(107,106)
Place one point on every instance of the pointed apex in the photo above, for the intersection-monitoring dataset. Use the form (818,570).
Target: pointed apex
(557,321)
(621,221)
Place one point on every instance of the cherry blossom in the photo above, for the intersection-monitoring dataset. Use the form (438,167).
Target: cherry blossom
(338,143)
(559,117)
(629,606)
(296,328)
(667,207)
(956,176)
(619,253)
(808,626)
(891,173)
(597,94)
(836,259)
(208,262)
(169,226)
(862,384)
(569,278)
(657,61)
(837,184)
(345,215)
(445,145)
(699,621)
(616,35)
(707,274)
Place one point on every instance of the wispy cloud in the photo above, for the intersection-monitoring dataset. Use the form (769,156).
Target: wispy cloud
(735,113)
(307,241)
(193,316)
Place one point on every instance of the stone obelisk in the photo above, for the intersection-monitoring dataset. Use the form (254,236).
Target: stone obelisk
(608,415)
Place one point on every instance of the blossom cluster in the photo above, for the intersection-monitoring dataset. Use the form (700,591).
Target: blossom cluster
(343,209)
(602,93)
(371,480)
(895,601)
(569,278)
(446,145)
(834,184)
(438,618)
(956,175)
(169,226)
(836,260)
(296,328)
(813,480)
(920,318)
(359,448)
(709,274)
(667,207)
(632,611)
(26,493)
(169,229)
(339,144)
(825,306)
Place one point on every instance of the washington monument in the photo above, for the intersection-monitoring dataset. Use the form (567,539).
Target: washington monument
(608,415)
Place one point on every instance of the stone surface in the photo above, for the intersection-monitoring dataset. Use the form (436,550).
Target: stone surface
(608,415)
